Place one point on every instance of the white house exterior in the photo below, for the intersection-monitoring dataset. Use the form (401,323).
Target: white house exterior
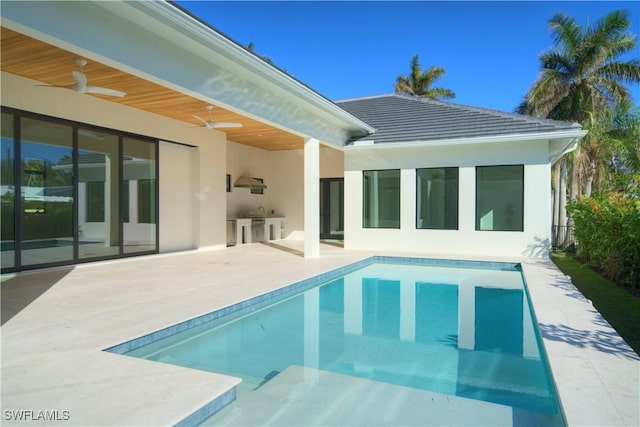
(486,215)
(160,181)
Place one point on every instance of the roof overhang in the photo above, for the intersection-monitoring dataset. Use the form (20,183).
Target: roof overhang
(159,43)
(560,142)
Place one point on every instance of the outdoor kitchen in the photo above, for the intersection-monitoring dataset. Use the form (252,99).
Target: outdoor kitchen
(252,226)
(250,216)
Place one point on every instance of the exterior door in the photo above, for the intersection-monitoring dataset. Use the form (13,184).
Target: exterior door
(332,208)
(71,192)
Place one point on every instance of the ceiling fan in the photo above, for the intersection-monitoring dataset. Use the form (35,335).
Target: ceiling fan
(209,124)
(81,85)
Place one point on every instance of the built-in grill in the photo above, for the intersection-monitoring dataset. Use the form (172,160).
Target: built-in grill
(253,226)
(257,224)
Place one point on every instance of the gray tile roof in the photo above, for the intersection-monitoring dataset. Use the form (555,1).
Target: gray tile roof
(399,118)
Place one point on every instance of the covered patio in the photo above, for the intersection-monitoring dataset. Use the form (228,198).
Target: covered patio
(171,67)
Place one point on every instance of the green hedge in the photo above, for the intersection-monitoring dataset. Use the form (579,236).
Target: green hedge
(607,231)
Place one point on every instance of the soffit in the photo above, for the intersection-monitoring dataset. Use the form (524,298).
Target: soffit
(30,58)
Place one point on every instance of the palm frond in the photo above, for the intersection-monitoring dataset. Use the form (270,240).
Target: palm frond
(628,71)
(418,82)
(438,93)
(565,32)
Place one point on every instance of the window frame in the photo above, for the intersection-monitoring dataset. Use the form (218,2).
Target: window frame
(457,202)
(522,192)
(364,193)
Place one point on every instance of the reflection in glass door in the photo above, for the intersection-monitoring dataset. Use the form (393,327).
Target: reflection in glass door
(98,194)
(46,170)
(139,188)
(332,208)
(7,192)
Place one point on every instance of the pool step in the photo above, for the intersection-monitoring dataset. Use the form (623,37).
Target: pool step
(311,397)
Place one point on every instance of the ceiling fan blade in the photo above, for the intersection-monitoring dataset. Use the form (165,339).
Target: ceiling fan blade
(104,91)
(81,81)
(218,125)
(202,120)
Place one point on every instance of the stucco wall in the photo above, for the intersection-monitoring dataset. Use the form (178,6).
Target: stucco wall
(192,179)
(287,190)
(532,242)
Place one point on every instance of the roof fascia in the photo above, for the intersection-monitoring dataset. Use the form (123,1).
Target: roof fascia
(575,133)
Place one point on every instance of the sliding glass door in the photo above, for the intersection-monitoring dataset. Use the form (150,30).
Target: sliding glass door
(72,192)
(332,208)
(7,192)
(139,168)
(98,194)
(46,175)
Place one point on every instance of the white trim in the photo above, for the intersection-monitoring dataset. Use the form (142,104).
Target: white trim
(369,145)
(567,148)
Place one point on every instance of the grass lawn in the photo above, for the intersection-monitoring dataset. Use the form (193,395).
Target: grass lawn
(617,305)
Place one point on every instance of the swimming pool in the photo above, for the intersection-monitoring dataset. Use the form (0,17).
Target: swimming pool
(424,328)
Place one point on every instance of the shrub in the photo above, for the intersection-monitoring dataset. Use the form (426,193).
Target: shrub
(607,230)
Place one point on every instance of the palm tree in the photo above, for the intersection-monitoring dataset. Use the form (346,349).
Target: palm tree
(582,80)
(418,83)
(581,75)
(623,154)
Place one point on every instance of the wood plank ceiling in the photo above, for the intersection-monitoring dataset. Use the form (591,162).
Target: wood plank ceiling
(34,59)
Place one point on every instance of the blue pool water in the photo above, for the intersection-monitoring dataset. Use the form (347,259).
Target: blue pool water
(465,330)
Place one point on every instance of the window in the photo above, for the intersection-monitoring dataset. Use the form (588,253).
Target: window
(381,199)
(499,198)
(437,198)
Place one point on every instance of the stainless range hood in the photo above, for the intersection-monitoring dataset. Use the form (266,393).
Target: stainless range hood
(248,182)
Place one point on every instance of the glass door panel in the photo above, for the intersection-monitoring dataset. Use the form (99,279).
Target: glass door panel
(7,192)
(98,194)
(332,208)
(140,208)
(46,170)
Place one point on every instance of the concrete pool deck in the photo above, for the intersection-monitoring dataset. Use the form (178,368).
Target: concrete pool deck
(56,322)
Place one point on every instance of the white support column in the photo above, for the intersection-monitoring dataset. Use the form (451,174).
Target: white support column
(311,198)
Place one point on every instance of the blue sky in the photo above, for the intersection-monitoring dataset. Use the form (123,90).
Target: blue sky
(346,50)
